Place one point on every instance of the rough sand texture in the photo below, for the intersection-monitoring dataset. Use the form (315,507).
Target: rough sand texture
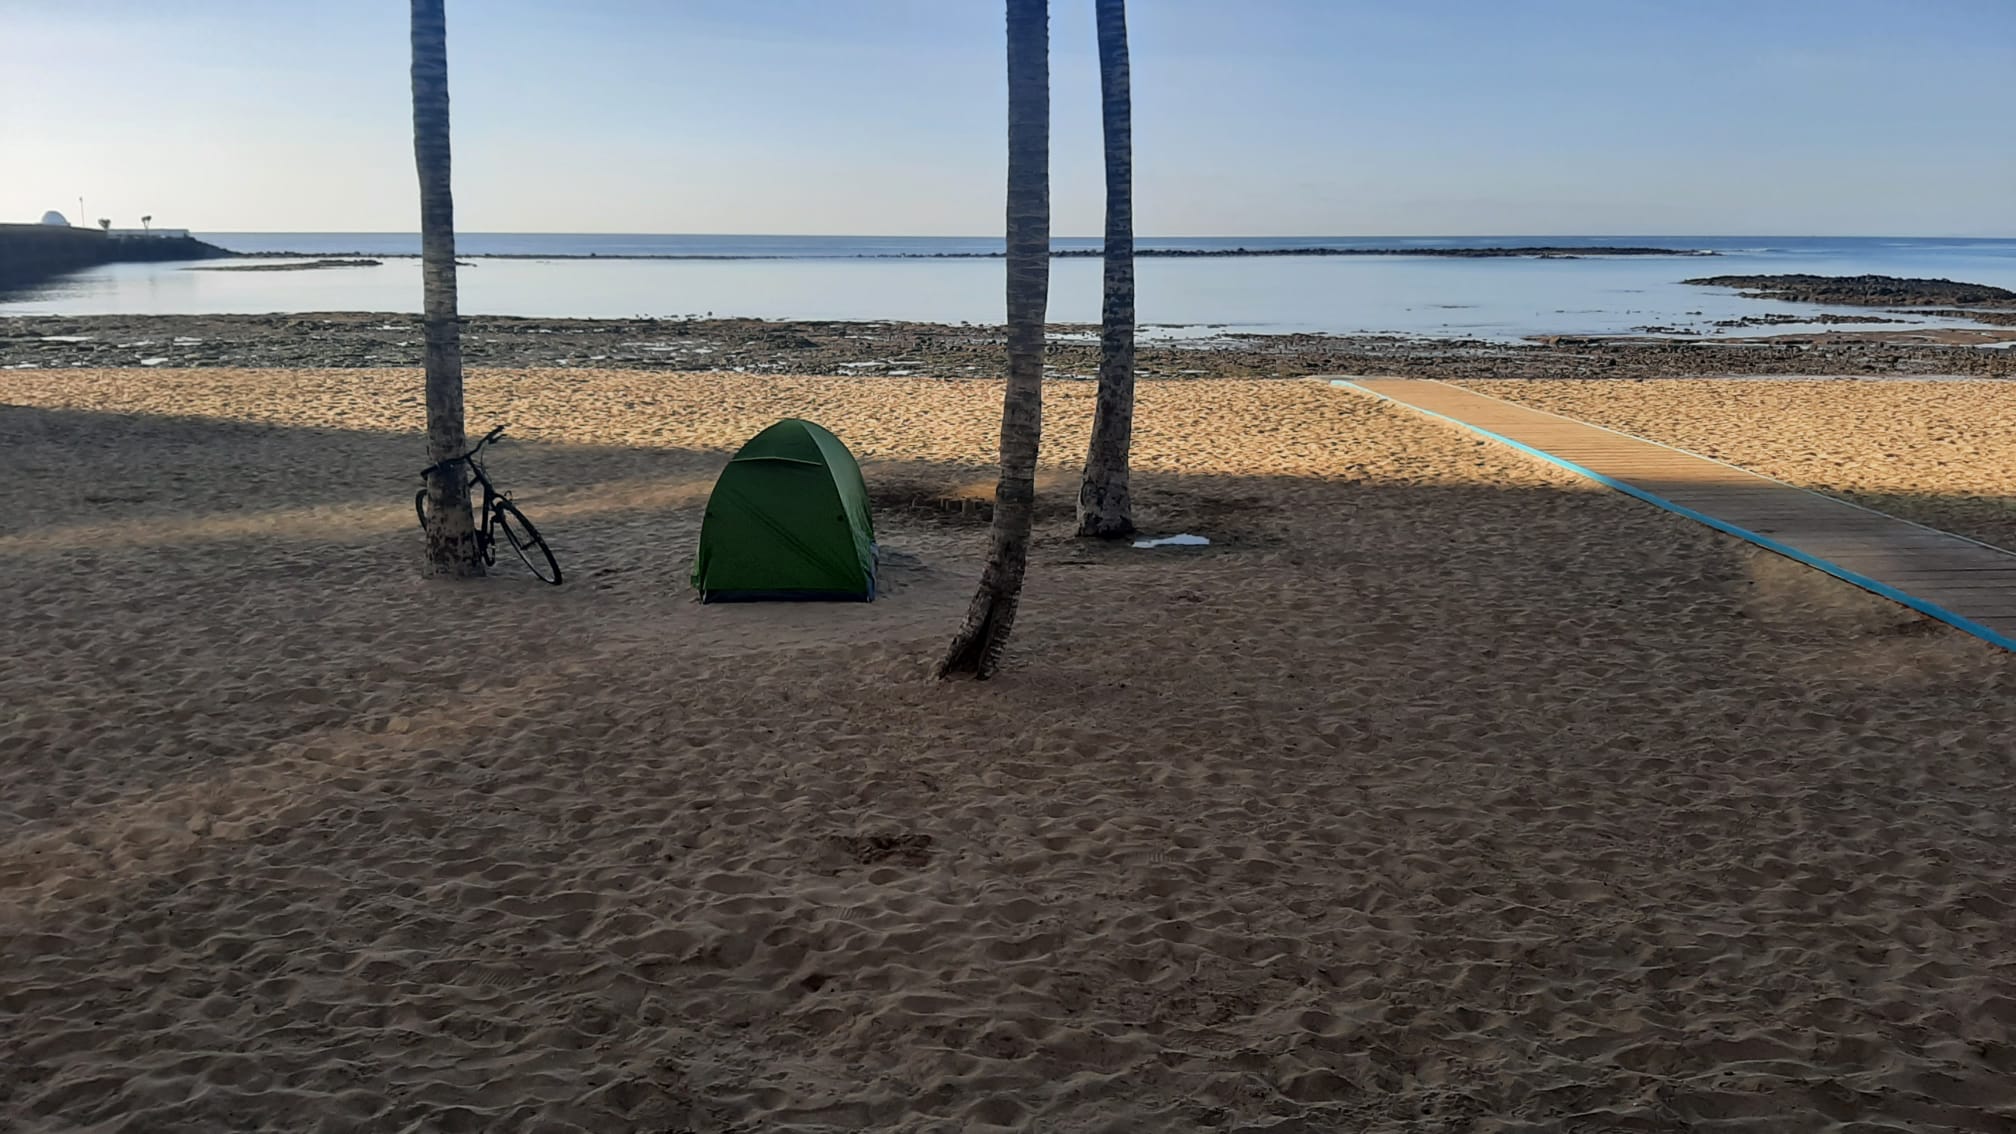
(1446,794)
(1940,453)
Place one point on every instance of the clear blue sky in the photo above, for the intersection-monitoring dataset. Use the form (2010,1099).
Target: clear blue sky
(1252,117)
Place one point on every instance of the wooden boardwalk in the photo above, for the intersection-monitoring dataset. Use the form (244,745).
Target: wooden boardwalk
(1956,580)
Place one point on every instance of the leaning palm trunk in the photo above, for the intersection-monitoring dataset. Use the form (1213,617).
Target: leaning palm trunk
(978,647)
(1105,508)
(451,530)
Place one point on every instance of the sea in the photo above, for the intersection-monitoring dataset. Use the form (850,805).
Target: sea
(579,275)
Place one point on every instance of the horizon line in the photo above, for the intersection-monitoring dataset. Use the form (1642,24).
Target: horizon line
(1137,237)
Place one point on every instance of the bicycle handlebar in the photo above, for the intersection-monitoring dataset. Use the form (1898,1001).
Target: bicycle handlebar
(487,438)
(478,447)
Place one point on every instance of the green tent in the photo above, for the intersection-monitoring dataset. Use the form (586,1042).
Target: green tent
(789,520)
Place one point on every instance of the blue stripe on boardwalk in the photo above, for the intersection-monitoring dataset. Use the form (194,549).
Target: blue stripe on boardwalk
(1875,586)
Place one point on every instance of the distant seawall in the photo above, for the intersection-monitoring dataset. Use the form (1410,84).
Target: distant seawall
(30,253)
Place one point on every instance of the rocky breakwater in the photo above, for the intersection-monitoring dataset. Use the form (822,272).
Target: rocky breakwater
(1979,302)
(1526,252)
(30,253)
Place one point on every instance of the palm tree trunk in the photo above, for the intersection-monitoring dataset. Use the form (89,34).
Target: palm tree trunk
(451,530)
(978,647)
(1105,507)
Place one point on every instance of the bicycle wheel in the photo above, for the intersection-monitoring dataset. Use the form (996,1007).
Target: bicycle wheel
(420,507)
(526,542)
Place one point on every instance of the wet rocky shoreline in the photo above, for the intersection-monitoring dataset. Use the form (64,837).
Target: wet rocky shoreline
(897,349)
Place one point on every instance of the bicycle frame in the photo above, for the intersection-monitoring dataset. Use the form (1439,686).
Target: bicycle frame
(496,511)
(490,493)
(476,472)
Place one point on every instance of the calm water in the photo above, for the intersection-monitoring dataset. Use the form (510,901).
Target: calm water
(815,277)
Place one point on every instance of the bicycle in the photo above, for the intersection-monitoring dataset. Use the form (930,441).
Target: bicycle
(497,512)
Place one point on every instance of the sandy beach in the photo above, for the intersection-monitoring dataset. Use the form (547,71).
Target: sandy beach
(1444,792)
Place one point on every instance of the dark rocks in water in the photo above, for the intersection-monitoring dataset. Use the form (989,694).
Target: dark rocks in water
(1774,319)
(302,267)
(1995,318)
(1865,291)
(1832,318)
(1536,252)
(1780,318)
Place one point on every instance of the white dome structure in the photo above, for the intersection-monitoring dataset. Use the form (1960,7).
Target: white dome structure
(54,217)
